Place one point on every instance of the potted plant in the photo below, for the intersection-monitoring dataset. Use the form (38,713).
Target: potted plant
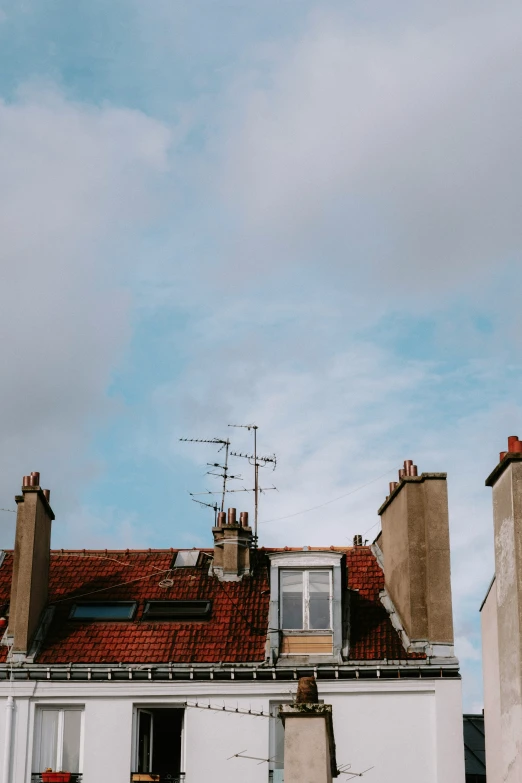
(48,776)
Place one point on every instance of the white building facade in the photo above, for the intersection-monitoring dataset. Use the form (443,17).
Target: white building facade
(170,666)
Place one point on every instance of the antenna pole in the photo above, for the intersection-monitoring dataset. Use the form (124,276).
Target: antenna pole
(257,463)
(256,486)
(225,469)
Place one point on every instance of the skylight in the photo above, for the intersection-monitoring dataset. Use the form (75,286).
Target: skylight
(186,558)
(177,610)
(103,610)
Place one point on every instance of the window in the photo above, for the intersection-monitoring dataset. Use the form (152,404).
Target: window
(104,610)
(306,600)
(177,610)
(159,744)
(57,739)
(187,558)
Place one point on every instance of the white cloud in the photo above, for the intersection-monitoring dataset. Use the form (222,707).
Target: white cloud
(73,179)
(387,151)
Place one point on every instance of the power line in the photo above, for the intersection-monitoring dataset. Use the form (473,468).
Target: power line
(326,503)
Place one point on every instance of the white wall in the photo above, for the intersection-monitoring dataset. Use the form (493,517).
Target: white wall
(407,730)
(491,674)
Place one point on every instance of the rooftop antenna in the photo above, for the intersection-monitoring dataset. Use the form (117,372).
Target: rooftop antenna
(213,506)
(257,462)
(224,444)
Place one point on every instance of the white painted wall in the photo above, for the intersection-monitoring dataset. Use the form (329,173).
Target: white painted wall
(491,674)
(407,730)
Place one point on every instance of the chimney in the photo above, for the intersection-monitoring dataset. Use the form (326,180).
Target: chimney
(309,737)
(232,541)
(503,659)
(416,551)
(29,588)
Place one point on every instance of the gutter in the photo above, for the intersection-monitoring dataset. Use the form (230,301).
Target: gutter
(400,669)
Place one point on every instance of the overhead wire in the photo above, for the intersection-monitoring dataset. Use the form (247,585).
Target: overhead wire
(110,587)
(327,502)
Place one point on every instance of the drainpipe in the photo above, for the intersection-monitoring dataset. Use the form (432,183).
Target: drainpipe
(7,741)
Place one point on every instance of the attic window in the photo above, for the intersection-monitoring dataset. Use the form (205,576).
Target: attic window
(187,558)
(177,610)
(104,610)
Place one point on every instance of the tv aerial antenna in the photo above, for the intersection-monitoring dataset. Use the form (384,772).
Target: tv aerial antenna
(257,462)
(222,472)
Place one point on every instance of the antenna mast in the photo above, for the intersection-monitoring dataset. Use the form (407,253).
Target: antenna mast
(224,444)
(257,463)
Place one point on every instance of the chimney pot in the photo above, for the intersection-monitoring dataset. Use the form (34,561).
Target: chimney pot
(243,518)
(357,540)
(512,441)
(502,455)
(26,481)
(221,519)
(413,471)
(231,516)
(517,447)
(47,495)
(402,473)
(408,463)
(307,691)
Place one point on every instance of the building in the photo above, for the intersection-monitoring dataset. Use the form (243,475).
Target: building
(501,617)
(474,749)
(119,665)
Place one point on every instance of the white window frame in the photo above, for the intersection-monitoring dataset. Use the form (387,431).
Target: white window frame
(61,709)
(306,599)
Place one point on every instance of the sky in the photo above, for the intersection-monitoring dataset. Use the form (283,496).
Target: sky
(304,215)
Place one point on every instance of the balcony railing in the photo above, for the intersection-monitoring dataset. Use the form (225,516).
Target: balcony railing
(157,777)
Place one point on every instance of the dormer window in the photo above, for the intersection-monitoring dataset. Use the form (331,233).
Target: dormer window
(306,604)
(306,598)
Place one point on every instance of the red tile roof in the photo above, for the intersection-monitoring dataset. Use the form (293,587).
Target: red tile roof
(235,632)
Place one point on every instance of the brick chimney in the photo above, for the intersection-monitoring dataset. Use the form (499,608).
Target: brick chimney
(502,644)
(29,588)
(416,550)
(232,541)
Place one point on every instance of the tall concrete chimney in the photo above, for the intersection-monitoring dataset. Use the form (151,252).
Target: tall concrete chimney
(503,701)
(416,550)
(309,737)
(232,541)
(30,585)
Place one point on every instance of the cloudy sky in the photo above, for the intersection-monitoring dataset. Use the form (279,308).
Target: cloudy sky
(301,214)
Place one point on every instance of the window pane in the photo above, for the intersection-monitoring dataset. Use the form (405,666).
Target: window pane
(105,611)
(144,741)
(292,599)
(48,741)
(72,721)
(319,606)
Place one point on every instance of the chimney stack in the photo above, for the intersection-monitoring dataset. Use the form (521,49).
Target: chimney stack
(309,737)
(503,678)
(415,545)
(29,588)
(232,542)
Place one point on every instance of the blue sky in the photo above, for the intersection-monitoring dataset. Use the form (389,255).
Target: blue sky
(301,214)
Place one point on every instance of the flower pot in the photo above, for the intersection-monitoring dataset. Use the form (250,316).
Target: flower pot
(56,777)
